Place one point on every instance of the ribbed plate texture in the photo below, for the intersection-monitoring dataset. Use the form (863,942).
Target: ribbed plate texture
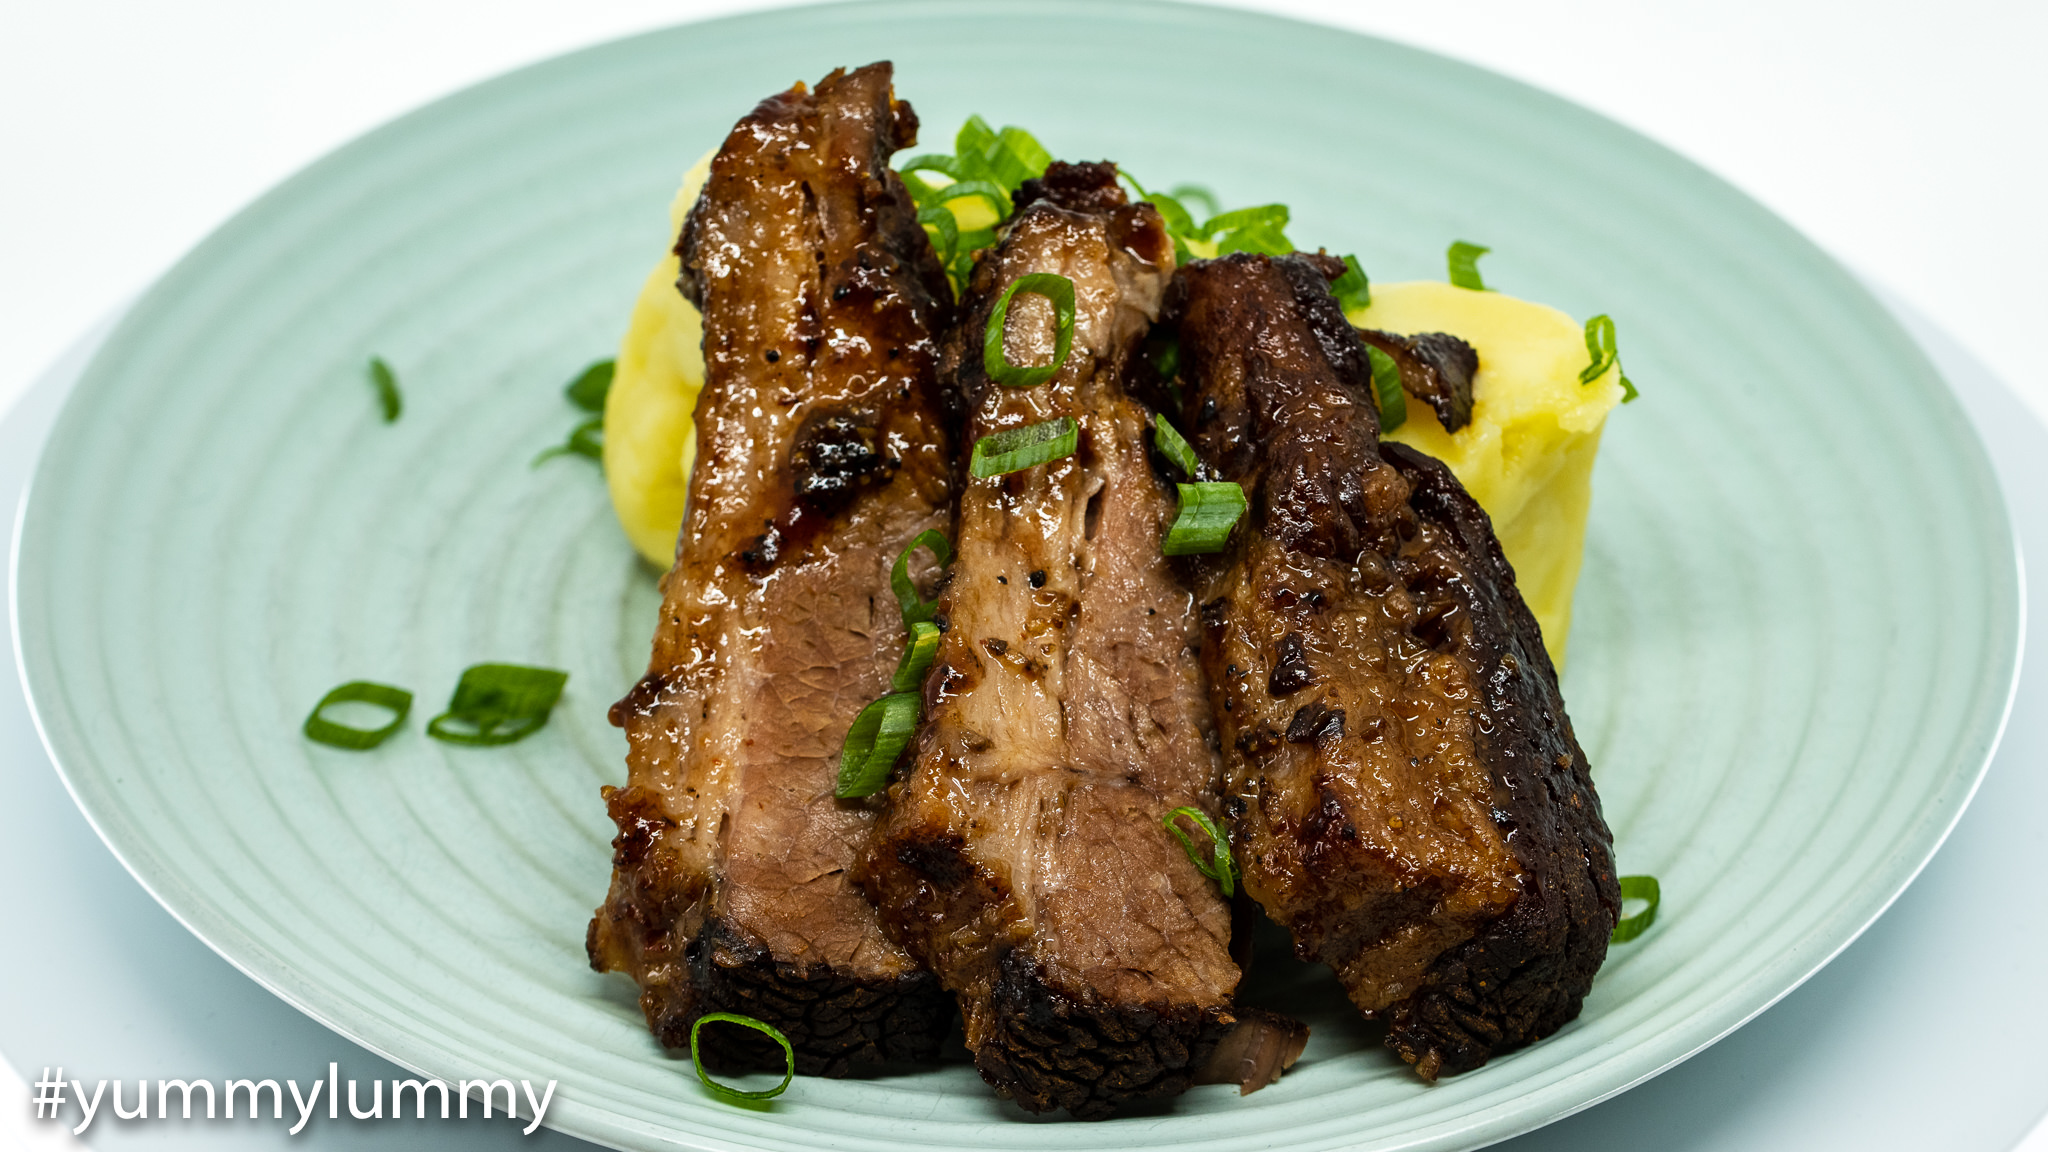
(1797,629)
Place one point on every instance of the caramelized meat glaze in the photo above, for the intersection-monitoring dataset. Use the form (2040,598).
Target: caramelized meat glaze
(1405,792)
(822,450)
(1023,856)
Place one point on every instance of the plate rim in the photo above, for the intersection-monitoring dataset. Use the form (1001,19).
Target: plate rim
(568,1109)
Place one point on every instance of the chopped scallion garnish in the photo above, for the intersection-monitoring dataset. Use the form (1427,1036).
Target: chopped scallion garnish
(1637,888)
(1195,192)
(586,439)
(1464,264)
(916,609)
(1208,511)
(588,390)
(1386,389)
(764,1028)
(1056,289)
(879,734)
(1352,289)
(1019,448)
(498,704)
(1174,446)
(397,700)
(945,229)
(988,190)
(1218,865)
(386,383)
(917,657)
(1604,353)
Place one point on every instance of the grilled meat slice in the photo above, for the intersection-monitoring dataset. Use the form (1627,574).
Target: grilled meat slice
(1023,856)
(1407,795)
(1436,368)
(822,450)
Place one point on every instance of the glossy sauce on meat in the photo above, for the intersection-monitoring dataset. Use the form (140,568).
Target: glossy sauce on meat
(823,449)
(1023,857)
(1406,793)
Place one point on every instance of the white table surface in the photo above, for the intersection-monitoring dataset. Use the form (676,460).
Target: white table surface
(1904,137)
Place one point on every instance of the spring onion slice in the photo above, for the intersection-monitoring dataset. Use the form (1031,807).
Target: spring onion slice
(1262,216)
(1174,446)
(1352,289)
(914,608)
(764,1028)
(917,658)
(1386,389)
(1172,213)
(879,734)
(498,704)
(324,731)
(1463,259)
(946,229)
(1637,888)
(586,439)
(1208,511)
(1604,353)
(589,389)
(1186,193)
(1055,288)
(1020,448)
(1016,156)
(988,190)
(1219,866)
(386,383)
(932,162)
(974,139)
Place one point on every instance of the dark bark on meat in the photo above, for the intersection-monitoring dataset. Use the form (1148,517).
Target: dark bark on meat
(822,451)
(1407,795)
(1436,368)
(1023,856)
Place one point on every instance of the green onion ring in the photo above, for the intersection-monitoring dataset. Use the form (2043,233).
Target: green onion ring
(1386,389)
(591,386)
(914,608)
(1019,448)
(386,383)
(1174,446)
(502,703)
(1208,511)
(1219,867)
(1463,259)
(988,190)
(1637,888)
(1604,352)
(766,1029)
(324,731)
(1352,289)
(1055,288)
(877,738)
(943,222)
(918,654)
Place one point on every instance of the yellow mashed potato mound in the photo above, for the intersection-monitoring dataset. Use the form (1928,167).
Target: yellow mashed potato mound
(649,438)
(1527,455)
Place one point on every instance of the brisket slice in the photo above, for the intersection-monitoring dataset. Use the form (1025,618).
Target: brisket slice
(1023,857)
(1436,368)
(1407,795)
(822,451)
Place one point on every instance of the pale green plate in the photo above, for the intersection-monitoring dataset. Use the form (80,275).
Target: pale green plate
(1797,631)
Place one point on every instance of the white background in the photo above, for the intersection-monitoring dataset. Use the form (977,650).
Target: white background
(1907,138)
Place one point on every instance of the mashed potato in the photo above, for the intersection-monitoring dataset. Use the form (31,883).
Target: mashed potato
(649,440)
(1527,455)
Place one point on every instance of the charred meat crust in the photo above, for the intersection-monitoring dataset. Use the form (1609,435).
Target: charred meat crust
(823,449)
(1405,790)
(1023,857)
(1057,1048)
(1527,974)
(1436,368)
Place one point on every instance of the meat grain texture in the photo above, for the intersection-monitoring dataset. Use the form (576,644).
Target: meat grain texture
(1023,856)
(822,451)
(1406,793)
